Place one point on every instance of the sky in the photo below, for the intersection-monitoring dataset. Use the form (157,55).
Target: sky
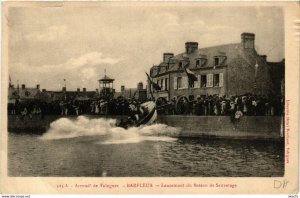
(49,44)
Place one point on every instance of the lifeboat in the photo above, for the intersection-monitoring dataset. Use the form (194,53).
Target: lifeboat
(146,115)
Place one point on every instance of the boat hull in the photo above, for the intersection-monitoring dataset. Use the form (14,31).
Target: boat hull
(151,116)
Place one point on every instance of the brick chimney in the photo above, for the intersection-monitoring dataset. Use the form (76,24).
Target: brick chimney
(248,40)
(140,86)
(23,86)
(43,90)
(38,86)
(191,47)
(84,90)
(78,89)
(167,56)
(64,89)
(122,88)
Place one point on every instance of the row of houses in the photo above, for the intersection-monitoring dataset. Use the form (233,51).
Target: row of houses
(231,69)
(24,93)
(35,93)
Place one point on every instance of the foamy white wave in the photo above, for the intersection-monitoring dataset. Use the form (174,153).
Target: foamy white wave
(82,126)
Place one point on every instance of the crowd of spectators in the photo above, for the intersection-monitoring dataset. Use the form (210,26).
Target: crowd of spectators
(248,105)
(119,106)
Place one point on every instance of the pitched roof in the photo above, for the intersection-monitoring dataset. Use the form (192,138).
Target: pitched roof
(227,53)
(74,95)
(106,78)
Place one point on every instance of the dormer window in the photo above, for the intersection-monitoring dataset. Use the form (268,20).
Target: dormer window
(198,63)
(158,70)
(27,93)
(201,60)
(216,61)
(180,65)
(220,60)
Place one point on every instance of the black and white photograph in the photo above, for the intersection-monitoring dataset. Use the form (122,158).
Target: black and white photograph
(147,90)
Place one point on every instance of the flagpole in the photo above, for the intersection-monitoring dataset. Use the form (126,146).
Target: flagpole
(150,90)
(189,91)
(9,82)
(152,98)
(18,88)
(255,77)
(65,89)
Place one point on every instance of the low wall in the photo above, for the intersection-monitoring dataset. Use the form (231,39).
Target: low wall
(37,124)
(248,127)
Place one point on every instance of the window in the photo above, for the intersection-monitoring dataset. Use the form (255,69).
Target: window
(201,61)
(27,93)
(191,83)
(166,84)
(180,65)
(162,84)
(216,62)
(158,70)
(216,80)
(198,63)
(179,82)
(203,80)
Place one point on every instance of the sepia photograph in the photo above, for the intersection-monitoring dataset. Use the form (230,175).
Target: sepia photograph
(147,90)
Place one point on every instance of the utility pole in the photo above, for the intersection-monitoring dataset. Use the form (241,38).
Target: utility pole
(65,89)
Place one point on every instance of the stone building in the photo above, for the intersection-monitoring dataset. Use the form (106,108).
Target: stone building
(64,94)
(126,92)
(231,69)
(138,93)
(23,93)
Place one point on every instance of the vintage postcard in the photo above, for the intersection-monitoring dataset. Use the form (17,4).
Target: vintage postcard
(150,97)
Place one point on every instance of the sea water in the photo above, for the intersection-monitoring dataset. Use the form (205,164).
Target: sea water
(95,148)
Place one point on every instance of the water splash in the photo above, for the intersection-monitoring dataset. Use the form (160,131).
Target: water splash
(64,128)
